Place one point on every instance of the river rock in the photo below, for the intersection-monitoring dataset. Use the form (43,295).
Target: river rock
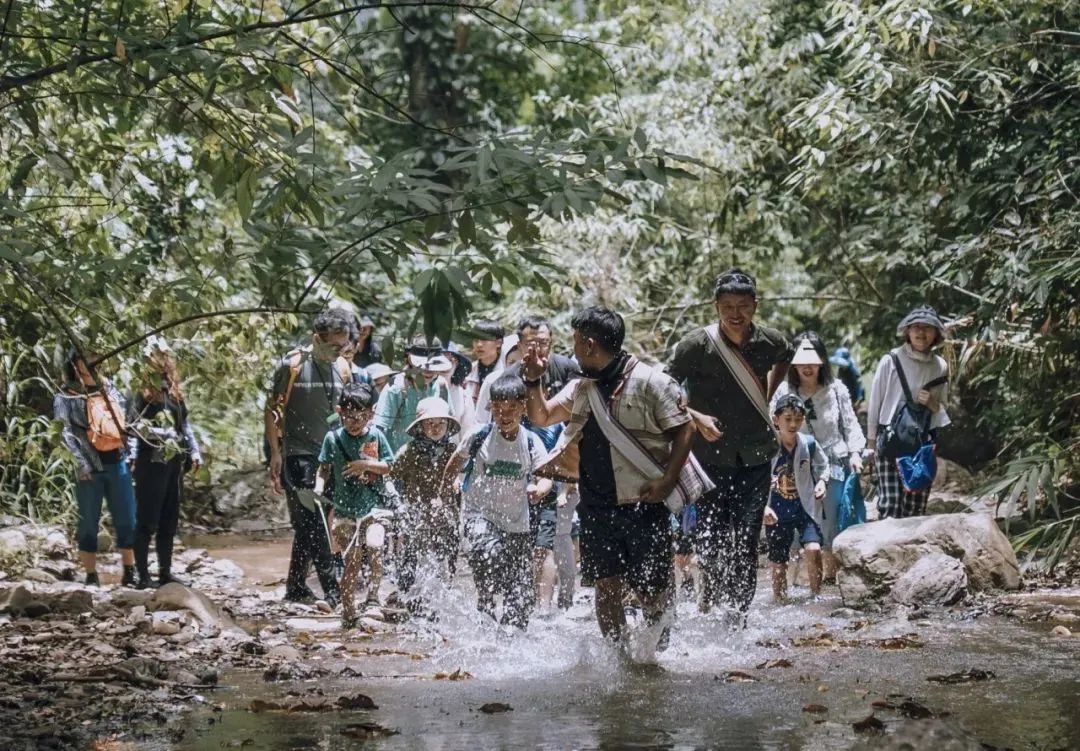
(56,544)
(284,653)
(21,601)
(874,557)
(104,541)
(37,575)
(936,579)
(13,544)
(175,596)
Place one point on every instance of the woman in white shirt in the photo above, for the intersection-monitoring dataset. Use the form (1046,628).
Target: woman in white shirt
(926,375)
(830,418)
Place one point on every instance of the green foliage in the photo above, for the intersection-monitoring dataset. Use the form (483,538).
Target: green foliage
(426,161)
(36,473)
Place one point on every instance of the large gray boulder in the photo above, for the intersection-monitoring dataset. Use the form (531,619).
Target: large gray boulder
(936,579)
(875,558)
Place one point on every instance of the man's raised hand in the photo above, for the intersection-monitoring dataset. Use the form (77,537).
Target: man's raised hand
(533,364)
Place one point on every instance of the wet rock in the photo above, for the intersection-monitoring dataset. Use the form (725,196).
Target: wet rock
(105,541)
(56,544)
(284,653)
(175,596)
(13,544)
(1061,631)
(21,601)
(367,731)
(357,701)
(873,557)
(62,569)
(162,627)
(936,579)
(968,676)
(869,725)
(495,707)
(37,575)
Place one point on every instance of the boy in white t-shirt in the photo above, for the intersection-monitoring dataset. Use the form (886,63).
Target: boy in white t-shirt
(496,460)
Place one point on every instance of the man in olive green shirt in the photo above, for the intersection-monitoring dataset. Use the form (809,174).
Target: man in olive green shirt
(734,441)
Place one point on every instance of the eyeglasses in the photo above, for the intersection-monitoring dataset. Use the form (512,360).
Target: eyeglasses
(357,414)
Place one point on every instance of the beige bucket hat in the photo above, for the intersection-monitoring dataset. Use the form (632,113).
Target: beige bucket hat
(433,408)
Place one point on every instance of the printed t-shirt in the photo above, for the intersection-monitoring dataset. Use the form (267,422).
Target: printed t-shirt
(356,496)
(784,496)
(500,473)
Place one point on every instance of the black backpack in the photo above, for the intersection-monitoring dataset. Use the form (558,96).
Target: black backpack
(909,428)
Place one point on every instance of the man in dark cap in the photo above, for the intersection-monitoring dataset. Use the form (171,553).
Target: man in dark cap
(729,371)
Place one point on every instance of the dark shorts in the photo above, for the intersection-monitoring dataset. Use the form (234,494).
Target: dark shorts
(630,542)
(780,537)
(684,542)
(542,522)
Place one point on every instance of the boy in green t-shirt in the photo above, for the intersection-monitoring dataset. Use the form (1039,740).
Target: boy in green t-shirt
(359,456)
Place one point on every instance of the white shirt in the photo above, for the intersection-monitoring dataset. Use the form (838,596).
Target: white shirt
(499,476)
(832,407)
(886,394)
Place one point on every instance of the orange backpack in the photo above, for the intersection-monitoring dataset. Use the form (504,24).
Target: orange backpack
(105,419)
(296,360)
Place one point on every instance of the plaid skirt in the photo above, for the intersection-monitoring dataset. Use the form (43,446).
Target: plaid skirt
(893,502)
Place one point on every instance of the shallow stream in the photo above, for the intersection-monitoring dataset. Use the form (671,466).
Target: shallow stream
(568,689)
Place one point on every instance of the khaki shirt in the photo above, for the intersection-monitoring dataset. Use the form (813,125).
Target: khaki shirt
(648,405)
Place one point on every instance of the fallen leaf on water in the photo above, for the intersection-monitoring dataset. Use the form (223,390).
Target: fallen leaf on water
(968,676)
(815,708)
(495,707)
(820,640)
(735,676)
(367,730)
(356,701)
(900,642)
(318,704)
(869,724)
(778,663)
(914,710)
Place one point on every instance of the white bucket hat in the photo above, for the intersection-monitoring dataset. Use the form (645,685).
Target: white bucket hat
(379,370)
(431,364)
(433,408)
(806,354)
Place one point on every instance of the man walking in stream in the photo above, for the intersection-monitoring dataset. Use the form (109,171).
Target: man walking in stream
(729,370)
(627,422)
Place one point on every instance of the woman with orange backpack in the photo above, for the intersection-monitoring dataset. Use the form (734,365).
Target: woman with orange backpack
(92,411)
(165,449)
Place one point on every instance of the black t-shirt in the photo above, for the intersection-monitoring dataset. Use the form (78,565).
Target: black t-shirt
(148,410)
(560,371)
(597,475)
(483,371)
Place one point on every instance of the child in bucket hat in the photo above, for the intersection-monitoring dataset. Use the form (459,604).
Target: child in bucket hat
(430,508)
(926,376)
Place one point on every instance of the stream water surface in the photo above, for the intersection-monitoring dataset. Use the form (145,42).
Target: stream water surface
(713,688)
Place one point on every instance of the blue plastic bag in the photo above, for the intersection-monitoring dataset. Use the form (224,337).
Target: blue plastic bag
(852,508)
(917,471)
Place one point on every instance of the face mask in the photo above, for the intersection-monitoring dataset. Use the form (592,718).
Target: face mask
(324,351)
